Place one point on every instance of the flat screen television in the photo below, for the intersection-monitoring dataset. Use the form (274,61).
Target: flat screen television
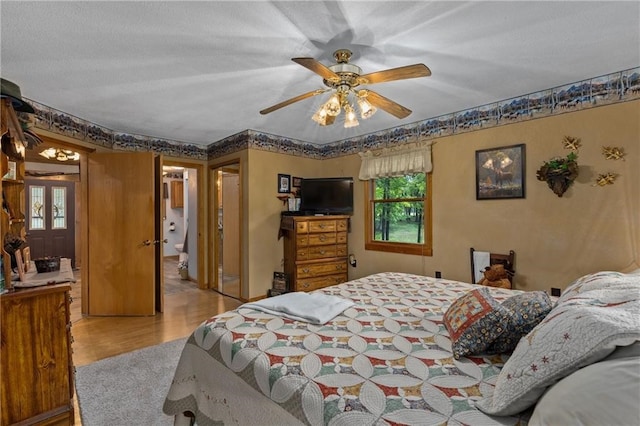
(327,195)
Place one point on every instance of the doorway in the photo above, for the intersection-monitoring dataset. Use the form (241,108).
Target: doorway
(50,220)
(227,214)
(180,223)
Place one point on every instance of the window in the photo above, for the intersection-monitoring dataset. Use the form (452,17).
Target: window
(40,212)
(399,214)
(59,219)
(37,210)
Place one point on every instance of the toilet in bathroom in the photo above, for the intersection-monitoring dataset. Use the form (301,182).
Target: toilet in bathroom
(179,247)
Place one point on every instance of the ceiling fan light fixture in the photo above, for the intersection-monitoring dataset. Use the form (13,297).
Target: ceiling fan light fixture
(320,116)
(366,109)
(350,119)
(333,105)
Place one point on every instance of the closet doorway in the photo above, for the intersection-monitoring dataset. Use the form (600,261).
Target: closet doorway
(227,215)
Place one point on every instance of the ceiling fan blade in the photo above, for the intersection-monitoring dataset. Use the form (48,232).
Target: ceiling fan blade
(401,73)
(293,100)
(318,68)
(387,105)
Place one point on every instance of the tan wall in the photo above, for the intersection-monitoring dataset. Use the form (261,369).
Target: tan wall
(264,249)
(555,239)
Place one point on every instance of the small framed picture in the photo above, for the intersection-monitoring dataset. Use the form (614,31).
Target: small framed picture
(500,172)
(280,281)
(284,183)
(26,258)
(11,172)
(19,264)
(296,182)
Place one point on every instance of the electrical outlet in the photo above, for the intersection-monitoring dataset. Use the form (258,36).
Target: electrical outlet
(438,274)
(555,291)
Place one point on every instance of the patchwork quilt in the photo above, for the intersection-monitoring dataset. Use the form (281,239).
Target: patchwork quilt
(385,360)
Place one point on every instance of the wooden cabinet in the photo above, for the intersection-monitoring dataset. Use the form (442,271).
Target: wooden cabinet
(12,217)
(36,365)
(177,194)
(315,250)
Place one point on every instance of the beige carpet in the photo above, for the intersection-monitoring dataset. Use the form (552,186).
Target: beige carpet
(128,389)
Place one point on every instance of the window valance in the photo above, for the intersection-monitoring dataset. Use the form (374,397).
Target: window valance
(395,162)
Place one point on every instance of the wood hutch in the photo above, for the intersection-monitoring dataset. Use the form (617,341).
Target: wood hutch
(36,364)
(315,250)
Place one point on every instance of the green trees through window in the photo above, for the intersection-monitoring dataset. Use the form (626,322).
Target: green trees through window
(398,214)
(398,209)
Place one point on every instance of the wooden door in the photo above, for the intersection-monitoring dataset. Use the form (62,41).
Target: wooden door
(122,240)
(50,218)
(160,241)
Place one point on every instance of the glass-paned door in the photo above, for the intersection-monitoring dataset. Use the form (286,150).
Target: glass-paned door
(50,222)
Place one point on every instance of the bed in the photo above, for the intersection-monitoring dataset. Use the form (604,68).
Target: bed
(391,358)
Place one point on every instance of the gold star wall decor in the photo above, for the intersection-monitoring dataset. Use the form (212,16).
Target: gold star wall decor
(613,153)
(571,143)
(605,179)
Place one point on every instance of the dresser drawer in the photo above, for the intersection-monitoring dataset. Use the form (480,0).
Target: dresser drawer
(309,284)
(302,226)
(320,252)
(320,239)
(320,269)
(328,225)
(302,240)
(342,225)
(341,238)
(341,250)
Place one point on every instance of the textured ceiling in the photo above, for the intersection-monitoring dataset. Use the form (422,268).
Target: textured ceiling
(198,72)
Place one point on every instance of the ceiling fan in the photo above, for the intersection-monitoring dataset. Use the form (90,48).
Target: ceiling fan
(344,79)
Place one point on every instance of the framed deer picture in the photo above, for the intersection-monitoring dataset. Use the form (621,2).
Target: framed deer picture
(500,172)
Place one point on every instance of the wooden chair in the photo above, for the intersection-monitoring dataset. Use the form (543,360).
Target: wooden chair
(494,258)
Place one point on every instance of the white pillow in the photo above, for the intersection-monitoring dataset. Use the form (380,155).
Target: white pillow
(599,281)
(582,328)
(604,393)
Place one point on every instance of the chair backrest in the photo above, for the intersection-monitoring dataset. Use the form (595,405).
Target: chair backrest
(493,258)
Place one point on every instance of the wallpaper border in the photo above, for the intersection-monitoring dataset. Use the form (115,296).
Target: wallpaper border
(620,86)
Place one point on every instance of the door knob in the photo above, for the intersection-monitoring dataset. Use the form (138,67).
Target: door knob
(146,243)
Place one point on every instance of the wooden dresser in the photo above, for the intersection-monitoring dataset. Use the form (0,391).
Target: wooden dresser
(315,251)
(36,366)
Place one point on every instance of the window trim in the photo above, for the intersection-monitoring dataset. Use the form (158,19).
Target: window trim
(424,249)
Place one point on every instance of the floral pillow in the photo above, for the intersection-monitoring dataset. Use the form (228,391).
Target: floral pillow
(527,309)
(584,327)
(474,321)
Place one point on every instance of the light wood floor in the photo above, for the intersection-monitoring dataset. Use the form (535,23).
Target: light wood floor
(96,338)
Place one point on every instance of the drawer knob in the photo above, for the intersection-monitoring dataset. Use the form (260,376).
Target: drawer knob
(322,251)
(322,238)
(305,285)
(305,270)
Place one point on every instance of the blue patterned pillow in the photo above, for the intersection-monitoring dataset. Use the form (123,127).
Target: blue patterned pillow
(474,321)
(528,310)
